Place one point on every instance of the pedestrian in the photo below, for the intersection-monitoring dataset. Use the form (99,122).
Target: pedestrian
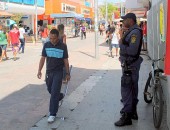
(44,34)
(14,38)
(56,56)
(83,31)
(144,28)
(22,38)
(130,47)
(3,43)
(114,36)
(62,37)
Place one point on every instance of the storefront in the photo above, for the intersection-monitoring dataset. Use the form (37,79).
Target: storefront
(70,20)
(64,7)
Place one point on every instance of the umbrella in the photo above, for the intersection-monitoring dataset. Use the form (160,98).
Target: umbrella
(4,13)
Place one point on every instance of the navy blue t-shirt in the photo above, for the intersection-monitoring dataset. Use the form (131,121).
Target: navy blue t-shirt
(55,55)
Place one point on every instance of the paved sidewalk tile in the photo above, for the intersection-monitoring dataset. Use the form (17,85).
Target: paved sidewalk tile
(95,104)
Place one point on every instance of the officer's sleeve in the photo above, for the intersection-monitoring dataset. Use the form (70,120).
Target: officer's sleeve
(44,52)
(65,55)
(134,42)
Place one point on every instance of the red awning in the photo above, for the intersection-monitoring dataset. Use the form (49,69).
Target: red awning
(167,55)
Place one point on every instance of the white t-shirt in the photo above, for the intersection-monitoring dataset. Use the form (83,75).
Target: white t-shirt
(115,39)
(21,31)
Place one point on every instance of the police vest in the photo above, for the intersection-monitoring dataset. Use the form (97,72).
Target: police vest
(135,58)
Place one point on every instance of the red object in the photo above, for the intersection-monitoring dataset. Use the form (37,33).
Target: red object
(167,55)
(45,33)
(14,36)
(144,29)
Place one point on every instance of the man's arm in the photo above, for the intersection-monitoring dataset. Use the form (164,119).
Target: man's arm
(41,64)
(66,64)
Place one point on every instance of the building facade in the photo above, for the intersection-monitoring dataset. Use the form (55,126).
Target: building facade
(84,7)
(27,8)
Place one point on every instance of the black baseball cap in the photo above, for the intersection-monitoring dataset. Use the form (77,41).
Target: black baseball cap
(129,15)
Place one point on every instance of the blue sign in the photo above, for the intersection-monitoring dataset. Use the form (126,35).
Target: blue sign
(40,3)
(16,1)
(28,2)
(87,4)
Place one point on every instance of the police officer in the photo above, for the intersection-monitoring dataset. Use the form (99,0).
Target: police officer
(130,47)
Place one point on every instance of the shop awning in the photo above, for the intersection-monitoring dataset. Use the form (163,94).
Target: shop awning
(4,13)
(67,15)
(88,19)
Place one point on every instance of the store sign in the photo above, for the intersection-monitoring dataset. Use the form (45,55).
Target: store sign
(85,11)
(87,4)
(68,8)
(2,6)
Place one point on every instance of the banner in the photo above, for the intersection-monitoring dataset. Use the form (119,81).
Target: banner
(162,24)
(167,55)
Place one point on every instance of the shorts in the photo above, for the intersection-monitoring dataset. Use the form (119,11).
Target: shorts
(15,47)
(115,45)
(15,44)
(145,39)
(3,47)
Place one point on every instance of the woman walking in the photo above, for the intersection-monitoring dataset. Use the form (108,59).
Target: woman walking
(3,44)
(114,40)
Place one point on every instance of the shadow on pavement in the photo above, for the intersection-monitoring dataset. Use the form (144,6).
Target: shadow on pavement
(22,108)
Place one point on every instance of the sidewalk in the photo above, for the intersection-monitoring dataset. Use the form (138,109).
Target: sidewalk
(95,104)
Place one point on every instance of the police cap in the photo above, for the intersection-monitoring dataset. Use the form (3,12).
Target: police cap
(129,15)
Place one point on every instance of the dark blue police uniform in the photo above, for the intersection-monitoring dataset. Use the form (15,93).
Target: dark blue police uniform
(55,55)
(130,59)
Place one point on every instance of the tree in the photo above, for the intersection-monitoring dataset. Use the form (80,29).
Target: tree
(16,17)
(111,9)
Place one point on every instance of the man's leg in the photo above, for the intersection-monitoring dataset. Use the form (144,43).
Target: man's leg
(127,98)
(55,92)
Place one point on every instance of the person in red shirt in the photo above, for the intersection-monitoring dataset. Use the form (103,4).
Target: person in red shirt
(144,28)
(44,34)
(14,38)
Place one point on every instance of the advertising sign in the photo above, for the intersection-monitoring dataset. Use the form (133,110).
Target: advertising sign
(162,24)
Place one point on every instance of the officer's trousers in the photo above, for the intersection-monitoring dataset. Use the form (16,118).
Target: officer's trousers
(129,90)
(54,82)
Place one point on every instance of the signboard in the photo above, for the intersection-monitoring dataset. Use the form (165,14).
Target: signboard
(67,8)
(2,6)
(167,55)
(162,25)
(85,11)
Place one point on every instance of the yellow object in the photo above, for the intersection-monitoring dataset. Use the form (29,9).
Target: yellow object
(133,39)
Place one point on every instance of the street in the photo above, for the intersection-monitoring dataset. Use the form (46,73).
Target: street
(24,98)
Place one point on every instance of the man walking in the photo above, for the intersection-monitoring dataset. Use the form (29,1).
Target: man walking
(56,56)
(21,38)
(130,47)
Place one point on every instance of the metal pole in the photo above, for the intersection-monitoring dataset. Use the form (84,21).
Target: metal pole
(36,33)
(106,17)
(121,8)
(96,29)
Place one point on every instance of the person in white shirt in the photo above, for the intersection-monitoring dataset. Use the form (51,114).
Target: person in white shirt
(114,37)
(22,38)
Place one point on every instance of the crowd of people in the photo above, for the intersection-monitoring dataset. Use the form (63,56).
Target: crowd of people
(14,38)
(115,31)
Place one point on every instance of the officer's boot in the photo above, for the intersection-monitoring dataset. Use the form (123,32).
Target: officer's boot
(124,120)
(134,114)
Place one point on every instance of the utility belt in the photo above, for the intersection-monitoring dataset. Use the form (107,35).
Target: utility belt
(126,65)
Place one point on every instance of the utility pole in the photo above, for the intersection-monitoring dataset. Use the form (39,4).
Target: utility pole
(96,29)
(36,33)
(121,8)
(106,17)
